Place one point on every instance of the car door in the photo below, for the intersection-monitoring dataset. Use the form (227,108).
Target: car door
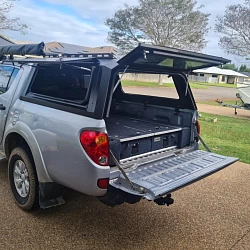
(8,82)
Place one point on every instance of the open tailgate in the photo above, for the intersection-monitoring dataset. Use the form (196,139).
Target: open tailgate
(166,174)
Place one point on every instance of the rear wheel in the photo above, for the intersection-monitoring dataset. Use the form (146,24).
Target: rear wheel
(23,179)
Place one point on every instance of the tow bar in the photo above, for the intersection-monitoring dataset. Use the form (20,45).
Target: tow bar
(167,200)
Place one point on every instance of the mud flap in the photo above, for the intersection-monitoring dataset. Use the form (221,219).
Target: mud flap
(50,194)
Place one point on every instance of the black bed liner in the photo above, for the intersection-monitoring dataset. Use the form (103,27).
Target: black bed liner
(128,129)
(130,136)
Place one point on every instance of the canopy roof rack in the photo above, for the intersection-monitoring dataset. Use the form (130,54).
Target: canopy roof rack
(34,50)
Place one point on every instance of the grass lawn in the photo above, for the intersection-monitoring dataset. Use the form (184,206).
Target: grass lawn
(216,104)
(127,83)
(228,136)
(225,85)
(194,85)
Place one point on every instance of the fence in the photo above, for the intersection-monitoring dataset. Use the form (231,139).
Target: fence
(146,78)
(165,78)
(194,78)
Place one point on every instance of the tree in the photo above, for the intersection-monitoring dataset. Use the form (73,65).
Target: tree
(125,33)
(7,23)
(230,66)
(244,68)
(235,28)
(173,23)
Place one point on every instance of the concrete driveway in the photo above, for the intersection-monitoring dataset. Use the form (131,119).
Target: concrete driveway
(213,213)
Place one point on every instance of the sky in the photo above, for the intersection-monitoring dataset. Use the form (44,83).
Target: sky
(81,22)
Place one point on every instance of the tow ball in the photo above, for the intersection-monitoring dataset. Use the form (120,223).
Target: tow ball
(167,200)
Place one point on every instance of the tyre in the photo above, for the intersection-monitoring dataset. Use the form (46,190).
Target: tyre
(23,179)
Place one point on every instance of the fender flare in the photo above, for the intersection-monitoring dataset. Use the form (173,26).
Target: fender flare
(24,131)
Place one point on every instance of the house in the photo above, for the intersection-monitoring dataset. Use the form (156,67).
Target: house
(5,41)
(218,75)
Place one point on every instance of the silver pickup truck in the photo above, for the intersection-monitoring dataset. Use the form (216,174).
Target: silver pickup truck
(66,122)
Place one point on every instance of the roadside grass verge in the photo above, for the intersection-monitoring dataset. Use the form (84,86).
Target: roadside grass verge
(127,83)
(224,85)
(194,85)
(228,136)
(214,103)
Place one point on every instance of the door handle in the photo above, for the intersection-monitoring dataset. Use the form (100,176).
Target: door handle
(2,107)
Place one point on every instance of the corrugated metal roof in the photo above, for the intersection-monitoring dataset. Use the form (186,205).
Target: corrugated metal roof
(218,71)
(246,73)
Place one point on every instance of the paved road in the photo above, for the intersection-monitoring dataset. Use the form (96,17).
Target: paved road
(210,94)
(213,213)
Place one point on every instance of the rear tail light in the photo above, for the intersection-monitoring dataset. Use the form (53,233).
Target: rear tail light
(96,145)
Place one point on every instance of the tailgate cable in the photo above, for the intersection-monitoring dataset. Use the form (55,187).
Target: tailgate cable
(138,189)
(203,143)
(119,80)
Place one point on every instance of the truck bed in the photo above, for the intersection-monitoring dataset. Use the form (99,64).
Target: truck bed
(131,136)
(128,129)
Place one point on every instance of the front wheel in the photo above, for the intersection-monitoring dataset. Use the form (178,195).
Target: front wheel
(23,179)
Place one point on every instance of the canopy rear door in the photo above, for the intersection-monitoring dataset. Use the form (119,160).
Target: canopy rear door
(162,58)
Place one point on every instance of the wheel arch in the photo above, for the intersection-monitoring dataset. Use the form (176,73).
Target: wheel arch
(14,140)
(21,135)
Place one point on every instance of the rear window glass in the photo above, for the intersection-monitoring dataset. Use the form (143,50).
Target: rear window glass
(170,62)
(67,83)
(149,85)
